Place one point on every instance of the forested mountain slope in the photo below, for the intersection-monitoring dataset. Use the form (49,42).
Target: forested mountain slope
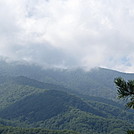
(61,99)
(53,109)
(13,130)
(96,82)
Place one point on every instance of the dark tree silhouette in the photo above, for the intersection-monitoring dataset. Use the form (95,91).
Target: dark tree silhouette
(126,90)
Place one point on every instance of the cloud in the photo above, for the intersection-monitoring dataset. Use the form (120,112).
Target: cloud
(68,33)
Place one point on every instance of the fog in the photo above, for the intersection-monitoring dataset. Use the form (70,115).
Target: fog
(68,33)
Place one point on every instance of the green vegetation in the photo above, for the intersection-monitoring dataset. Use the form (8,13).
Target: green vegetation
(130,132)
(60,101)
(10,93)
(53,109)
(86,123)
(13,130)
(126,90)
(96,82)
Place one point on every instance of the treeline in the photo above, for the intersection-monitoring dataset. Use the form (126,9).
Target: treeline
(86,123)
(53,109)
(13,130)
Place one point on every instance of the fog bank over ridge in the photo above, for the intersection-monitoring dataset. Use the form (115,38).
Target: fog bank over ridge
(68,34)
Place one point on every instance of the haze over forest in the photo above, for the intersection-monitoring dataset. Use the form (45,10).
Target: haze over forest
(68,34)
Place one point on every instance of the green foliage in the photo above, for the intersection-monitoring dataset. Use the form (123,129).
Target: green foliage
(36,107)
(11,130)
(41,106)
(44,105)
(126,90)
(25,103)
(86,123)
(130,132)
(11,93)
(113,111)
(53,109)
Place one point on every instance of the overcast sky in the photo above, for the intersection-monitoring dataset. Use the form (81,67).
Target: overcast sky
(69,33)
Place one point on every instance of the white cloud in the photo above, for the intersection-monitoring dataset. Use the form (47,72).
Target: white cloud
(69,32)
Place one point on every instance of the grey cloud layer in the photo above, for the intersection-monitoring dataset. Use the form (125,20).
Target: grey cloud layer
(69,33)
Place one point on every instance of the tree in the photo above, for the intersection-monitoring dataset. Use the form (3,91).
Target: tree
(125,90)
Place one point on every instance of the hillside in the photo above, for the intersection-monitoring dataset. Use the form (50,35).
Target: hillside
(96,82)
(31,97)
(13,130)
(53,109)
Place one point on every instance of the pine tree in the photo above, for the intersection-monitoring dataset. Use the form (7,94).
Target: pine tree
(126,90)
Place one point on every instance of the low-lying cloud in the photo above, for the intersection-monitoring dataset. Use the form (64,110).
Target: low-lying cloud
(69,33)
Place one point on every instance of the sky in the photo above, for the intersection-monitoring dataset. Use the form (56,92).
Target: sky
(68,33)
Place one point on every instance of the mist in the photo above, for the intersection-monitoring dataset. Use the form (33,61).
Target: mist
(68,34)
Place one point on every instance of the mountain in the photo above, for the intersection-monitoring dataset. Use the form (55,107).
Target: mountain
(52,109)
(97,82)
(55,99)
(44,105)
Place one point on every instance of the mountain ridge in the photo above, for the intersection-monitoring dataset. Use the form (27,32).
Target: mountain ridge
(62,99)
